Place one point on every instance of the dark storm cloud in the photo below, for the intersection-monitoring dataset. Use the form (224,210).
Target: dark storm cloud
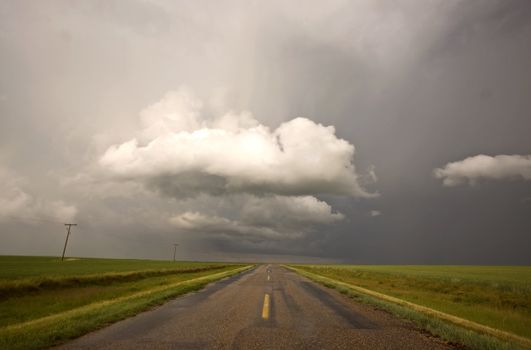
(413,85)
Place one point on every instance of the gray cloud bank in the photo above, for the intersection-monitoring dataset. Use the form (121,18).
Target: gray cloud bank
(15,201)
(263,218)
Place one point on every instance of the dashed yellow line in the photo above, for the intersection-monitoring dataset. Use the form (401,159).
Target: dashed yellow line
(265,309)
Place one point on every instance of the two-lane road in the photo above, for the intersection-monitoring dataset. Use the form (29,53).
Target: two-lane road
(266,308)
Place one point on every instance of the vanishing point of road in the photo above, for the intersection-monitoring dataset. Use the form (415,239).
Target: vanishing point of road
(266,308)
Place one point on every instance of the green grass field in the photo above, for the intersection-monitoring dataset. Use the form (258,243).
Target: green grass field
(495,296)
(30,267)
(20,274)
(55,301)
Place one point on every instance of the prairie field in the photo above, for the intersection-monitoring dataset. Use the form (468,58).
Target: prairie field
(56,300)
(35,267)
(495,296)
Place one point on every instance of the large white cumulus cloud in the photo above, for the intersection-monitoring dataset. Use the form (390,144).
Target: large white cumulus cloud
(263,180)
(181,153)
(472,169)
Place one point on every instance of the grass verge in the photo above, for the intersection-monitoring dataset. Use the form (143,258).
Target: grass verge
(18,287)
(498,297)
(448,327)
(57,328)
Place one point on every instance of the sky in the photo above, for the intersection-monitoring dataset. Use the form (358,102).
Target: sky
(368,132)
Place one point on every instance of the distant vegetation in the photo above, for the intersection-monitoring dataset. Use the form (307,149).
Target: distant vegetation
(495,296)
(54,301)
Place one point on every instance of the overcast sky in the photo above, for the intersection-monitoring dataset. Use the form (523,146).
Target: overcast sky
(352,131)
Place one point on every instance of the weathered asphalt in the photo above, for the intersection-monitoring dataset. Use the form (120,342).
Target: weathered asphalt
(229,314)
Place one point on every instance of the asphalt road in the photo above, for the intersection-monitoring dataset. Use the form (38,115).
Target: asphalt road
(266,308)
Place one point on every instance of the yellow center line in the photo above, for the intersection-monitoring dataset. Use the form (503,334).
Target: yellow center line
(265,309)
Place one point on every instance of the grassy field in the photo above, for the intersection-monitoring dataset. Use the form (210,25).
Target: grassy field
(30,267)
(20,274)
(54,301)
(495,296)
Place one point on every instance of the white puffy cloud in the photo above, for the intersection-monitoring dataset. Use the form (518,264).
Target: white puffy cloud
(180,153)
(262,218)
(472,169)
(237,176)
(15,202)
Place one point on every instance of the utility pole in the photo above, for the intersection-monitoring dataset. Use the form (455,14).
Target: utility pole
(174,250)
(66,241)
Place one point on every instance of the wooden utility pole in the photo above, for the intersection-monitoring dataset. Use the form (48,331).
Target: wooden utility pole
(174,250)
(69,226)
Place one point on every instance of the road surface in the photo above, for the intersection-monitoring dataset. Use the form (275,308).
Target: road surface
(265,308)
